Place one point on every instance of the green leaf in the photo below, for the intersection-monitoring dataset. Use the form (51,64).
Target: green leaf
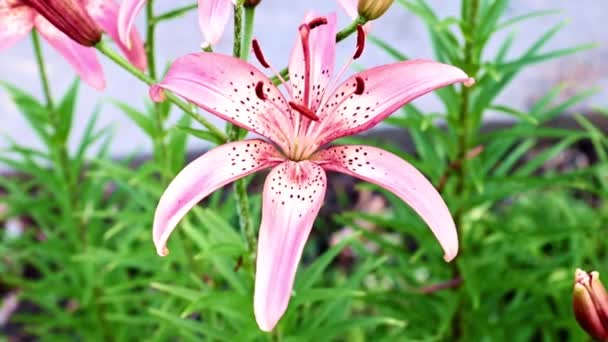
(140,119)
(65,110)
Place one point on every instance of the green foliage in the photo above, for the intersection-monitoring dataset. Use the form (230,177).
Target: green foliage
(85,267)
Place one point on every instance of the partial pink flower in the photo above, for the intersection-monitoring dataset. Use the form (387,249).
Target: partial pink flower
(18,19)
(351,9)
(213,15)
(315,113)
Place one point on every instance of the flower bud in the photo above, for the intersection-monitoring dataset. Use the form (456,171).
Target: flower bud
(251,3)
(591,304)
(70,17)
(373,9)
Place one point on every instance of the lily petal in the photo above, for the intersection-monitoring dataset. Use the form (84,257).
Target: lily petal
(385,89)
(351,9)
(129,9)
(293,195)
(322,50)
(387,170)
(17,22)
(231,89)
(105,13)
(214,169)
(213,16)
(83,59)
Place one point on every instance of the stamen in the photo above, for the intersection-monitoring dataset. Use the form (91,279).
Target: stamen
(360,86)
(360,42)
(257,51)
(316,22)
(259,91)
(304,111)
(304,35)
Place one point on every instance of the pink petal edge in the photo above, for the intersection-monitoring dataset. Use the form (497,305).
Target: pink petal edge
(214,169)
(213,15)
(386,89)
(293,195)
(226,86)
(387,170)
(129,9)
(16,24)
(83,59)
(106,13)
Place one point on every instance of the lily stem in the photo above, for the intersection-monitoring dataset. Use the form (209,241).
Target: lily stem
(248,32)
(123,63)
(470,9)
(340,36)
(44,80)
(59,138)
(175,12)
(240,186)
(160,146)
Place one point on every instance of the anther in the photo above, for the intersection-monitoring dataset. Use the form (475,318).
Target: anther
(304,111)
(257,51)
(360,42)
(316,22)
(259,91)
(360,86)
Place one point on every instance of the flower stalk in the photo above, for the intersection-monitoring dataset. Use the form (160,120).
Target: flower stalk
(234,132)
(162,153)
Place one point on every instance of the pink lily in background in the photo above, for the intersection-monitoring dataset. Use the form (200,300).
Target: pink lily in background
(367,9)
(19,17)
(213,15)
(296,131)
(350,7)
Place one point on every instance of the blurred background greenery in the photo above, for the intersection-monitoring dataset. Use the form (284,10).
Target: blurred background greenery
(529,197)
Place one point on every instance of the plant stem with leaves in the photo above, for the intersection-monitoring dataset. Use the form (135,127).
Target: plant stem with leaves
(161,152)
(234,132)
(470,9)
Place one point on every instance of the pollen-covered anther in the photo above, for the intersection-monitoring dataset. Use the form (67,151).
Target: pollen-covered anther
(259,91)
(360,42)
(360,86)
(304,111)
(257,51)
(316,22)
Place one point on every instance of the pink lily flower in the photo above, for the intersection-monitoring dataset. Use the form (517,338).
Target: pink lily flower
(18,19)
(296,132)
(350,7)
(213,16)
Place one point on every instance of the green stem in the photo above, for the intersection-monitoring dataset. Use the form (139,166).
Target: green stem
(240,186)
(123,63)
(248,34)
(59,139)
(464,133)
(151,26)
(175,13)
(160,146)
(42,68)
(340,36)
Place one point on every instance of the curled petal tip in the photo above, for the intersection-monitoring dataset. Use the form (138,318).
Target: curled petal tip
(205,45)
(157,94)
(449,256)
(469,82)
(162,251)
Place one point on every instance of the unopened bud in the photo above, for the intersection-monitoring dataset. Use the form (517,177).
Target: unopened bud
(70,17)
(373,9)
(591,304)
(251,3)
